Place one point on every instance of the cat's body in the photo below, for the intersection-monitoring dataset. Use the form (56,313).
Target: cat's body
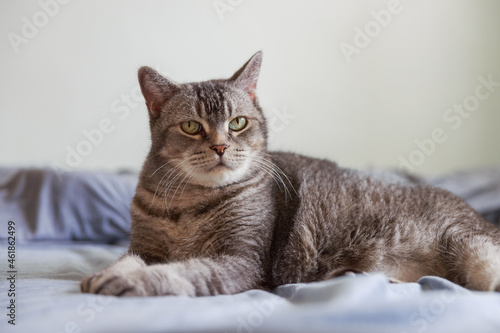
(215,213)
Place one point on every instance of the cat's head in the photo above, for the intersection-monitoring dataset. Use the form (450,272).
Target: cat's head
(213,133)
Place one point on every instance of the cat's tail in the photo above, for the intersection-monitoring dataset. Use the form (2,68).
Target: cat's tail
(471,252)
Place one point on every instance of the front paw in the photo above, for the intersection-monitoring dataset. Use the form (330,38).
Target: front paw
(115,284)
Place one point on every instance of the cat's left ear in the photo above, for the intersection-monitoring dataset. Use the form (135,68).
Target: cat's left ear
(156,89)
(246,77)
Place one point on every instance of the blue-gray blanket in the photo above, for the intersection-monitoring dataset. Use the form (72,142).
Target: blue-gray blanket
(71,225)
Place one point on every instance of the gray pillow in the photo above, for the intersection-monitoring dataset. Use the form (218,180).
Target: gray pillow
(95,205)
(480,188)
(76,205)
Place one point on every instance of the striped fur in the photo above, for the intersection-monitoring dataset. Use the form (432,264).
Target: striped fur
(266,219)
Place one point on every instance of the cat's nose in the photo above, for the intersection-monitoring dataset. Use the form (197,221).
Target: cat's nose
(219,149)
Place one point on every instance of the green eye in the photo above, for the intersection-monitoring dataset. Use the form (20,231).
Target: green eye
(191,127)
(238,123)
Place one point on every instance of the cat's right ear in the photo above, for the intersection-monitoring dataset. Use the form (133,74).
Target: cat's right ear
(156,89)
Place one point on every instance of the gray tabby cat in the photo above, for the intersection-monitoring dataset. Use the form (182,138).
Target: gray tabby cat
(215,213)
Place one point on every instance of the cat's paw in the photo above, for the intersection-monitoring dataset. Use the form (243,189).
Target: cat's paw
(115,284)
(122,278)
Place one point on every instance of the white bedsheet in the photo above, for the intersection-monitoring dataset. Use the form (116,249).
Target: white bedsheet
(48,300)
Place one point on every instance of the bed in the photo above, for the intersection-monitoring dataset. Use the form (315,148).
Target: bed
(69,225)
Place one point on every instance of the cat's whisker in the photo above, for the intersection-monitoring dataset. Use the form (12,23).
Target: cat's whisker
(273,173)
(276,173)
(172,171)
(151,156)
(168,162)
(158,185)
(281,172)
(167,188)
(270,171)
(169,173)
(268,168)
(262,168)
(180,183)
(189,179)
(169,185)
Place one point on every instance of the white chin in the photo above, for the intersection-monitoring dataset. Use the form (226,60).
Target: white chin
(220,176)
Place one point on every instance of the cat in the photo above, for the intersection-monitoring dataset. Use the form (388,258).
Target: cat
(216,213)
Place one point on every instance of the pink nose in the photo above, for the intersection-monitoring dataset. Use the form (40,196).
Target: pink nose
(219,149)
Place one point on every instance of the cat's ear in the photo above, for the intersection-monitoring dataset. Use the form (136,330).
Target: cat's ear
(246,77)
(156,89)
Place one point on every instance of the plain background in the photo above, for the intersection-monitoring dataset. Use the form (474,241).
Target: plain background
(79,69)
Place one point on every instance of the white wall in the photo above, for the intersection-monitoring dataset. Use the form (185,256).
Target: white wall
(72,73)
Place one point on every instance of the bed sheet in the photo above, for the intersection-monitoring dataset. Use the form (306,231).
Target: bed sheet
(48,300)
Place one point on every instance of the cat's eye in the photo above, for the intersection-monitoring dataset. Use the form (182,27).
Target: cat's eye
(191,127)
(238,123)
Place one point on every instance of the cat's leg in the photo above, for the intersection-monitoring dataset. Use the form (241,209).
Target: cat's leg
(342,272)
(352,272)
(472,257)
(125,265)
(194,277)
